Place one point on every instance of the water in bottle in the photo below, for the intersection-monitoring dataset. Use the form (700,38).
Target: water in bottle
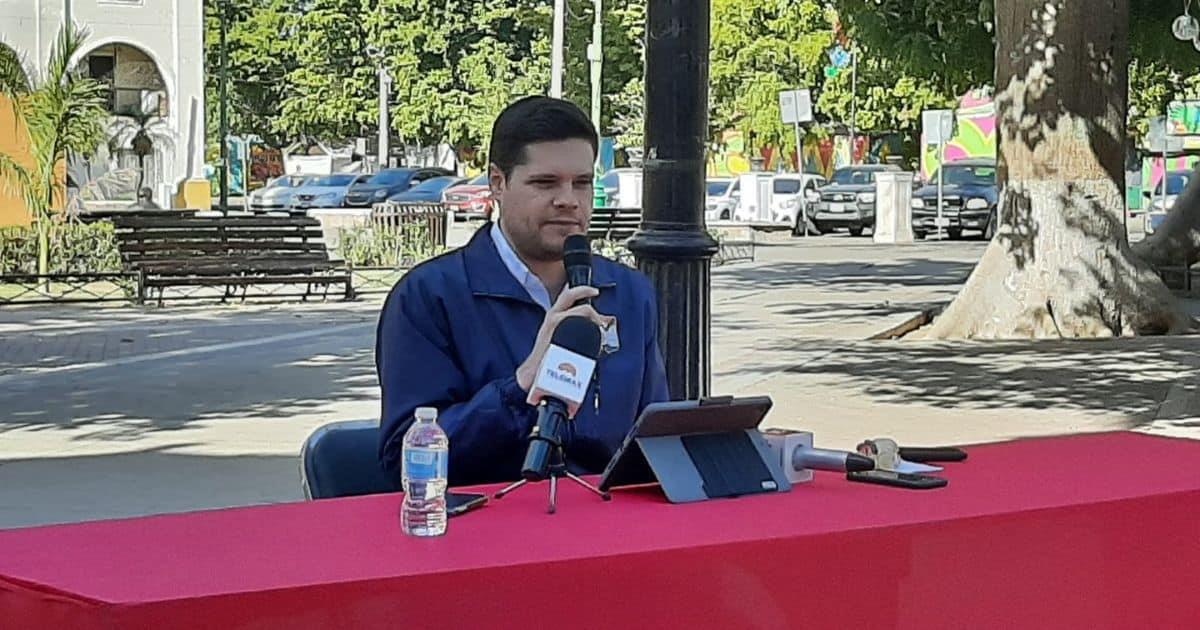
(424,468)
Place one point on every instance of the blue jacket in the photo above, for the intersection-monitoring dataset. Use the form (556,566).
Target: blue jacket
(453,332)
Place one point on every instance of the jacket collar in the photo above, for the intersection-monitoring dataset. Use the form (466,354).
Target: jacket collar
(488,276)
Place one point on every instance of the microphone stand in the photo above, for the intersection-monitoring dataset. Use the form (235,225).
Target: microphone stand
(558,470)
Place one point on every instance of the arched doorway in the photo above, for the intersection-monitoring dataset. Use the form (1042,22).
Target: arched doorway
(139,101)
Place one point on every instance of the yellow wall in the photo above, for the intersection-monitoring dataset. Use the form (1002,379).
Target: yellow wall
(13,142)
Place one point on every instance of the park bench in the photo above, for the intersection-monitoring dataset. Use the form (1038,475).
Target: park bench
(175,249)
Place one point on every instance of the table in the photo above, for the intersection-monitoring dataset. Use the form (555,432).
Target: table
(1097,531)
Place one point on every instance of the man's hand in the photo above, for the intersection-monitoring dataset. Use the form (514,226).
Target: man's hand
(563,308)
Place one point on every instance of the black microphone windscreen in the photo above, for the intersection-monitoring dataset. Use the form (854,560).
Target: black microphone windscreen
(579,335)
(577,251)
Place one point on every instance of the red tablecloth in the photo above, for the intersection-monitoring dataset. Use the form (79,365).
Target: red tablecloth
(1098,531)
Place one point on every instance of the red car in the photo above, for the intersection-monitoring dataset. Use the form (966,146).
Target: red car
(472,199)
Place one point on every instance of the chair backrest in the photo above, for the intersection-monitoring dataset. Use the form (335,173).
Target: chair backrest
(341,459)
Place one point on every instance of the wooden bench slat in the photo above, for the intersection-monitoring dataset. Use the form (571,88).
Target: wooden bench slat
(142,235)
(202,222)
(202,246)
(174,266)
(243,280)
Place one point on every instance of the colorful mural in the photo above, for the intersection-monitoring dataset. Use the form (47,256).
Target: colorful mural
(1152,168)
(1183,118)
(266,163)
(974,138)
(822,155)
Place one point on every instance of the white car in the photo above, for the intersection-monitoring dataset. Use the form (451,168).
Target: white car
(277,194)
(721,198)
(786,191)
(1161,204)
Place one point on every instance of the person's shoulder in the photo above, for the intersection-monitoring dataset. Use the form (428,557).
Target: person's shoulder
(625,276)
(445,272)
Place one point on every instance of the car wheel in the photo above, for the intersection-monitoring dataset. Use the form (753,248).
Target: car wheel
(856,231)
(799,225)
(990,231)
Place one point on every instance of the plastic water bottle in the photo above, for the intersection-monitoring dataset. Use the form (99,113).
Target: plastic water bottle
(424,468)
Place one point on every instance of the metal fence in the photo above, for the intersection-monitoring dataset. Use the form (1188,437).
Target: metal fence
(66,288)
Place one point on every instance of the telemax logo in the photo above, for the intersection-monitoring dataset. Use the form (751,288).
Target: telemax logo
(565,373)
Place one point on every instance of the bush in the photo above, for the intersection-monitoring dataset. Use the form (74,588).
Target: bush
(396,248)
(74,248)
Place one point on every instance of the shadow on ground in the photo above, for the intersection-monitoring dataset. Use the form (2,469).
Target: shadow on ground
(164,395)
(73,488)
(850,276)
(1128,376)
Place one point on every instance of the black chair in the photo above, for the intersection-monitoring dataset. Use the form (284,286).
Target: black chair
(341,459)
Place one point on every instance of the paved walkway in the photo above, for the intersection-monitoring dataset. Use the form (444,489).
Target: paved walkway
(117,412)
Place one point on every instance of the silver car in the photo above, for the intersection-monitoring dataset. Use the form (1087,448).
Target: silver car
(277,194)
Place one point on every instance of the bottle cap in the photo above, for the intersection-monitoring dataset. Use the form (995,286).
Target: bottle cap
(426,413)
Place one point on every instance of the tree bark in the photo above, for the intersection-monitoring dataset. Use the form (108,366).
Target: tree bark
(1060,265)
(1177,241)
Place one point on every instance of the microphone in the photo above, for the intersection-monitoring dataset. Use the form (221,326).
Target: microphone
(796,455)
(827,459)
(558,389)
(577,258)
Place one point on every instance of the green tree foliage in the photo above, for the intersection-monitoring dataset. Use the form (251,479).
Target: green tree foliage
(758,50)
(263,48)
(951,43)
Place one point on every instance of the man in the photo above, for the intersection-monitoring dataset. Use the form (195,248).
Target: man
(465,332)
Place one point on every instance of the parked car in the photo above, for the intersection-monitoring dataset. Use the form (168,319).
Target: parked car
(388,182)
(1159,206)
(786,191)
(428,191)
(969,196)
(848,201)
(277,194)
(721,198)
(328,191)
(472,199)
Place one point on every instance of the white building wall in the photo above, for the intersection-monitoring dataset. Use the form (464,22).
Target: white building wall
(171,32)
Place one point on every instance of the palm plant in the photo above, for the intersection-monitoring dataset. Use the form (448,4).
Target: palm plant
(62,113)
(140,129)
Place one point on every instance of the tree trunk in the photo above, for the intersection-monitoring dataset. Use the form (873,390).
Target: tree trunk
(1060,265)
(1177,241)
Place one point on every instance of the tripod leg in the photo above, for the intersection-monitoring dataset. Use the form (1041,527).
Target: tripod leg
(593,489)
(510,488)
(553,495)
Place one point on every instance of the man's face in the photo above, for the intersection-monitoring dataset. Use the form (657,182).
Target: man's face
(547,198)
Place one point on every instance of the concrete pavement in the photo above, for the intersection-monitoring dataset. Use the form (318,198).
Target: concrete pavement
(121,412)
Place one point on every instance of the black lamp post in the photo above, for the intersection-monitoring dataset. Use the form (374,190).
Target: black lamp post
(673,247)
(223,96)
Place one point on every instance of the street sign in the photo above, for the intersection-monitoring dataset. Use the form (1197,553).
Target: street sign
(831,72)
(937,126)
(795,106)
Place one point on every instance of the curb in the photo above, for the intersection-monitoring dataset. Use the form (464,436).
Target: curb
(912,323)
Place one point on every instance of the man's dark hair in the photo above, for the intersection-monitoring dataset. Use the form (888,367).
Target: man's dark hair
(535,119)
